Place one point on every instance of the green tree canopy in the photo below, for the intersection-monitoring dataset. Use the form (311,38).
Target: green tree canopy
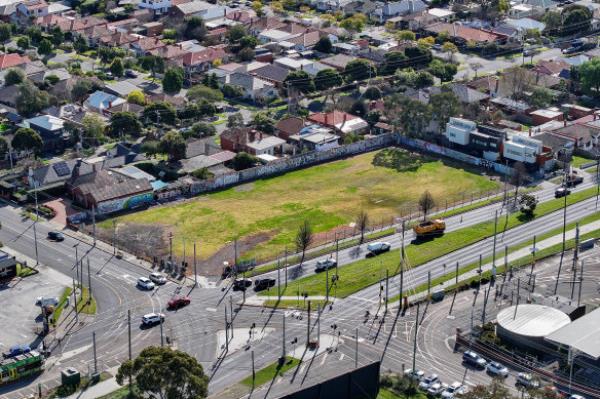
(173,80)
(26,139)
(93,127)
(30,99)
(324,45)
(243,160)
(372,93)
(136,97)
(575,18)
(443,106)
(117,68)
(160,112)
(81,89)
(263,122)
(201,92)
(359,70)
(23,42)
(301,81)
(327,78)
(235,120)
(195,28)
(443,70)
(589,76)
(5,32)
(44,47)
(166,373)
(393,61)
(173,144)
(14,76)
(123,124)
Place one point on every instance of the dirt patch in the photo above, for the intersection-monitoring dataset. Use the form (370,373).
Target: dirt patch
(245,187)
(213,266)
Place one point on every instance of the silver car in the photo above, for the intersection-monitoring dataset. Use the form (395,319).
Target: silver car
(428,381)
(325,264)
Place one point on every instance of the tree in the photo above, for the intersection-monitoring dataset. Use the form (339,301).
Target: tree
(248,41)
(93,127)
(160,112)
(235,120)
(246,54)
(324,45)
(327,78)
(449,48)
(3,147)
(257,7)
(575,18)
(589,76)
(415,117)
(443,106)
(117,68)
(203,129)
(372,93)
(541,97)
(23,42)
(195,29)
(152,63)
(263,122)
(235,33)
(14,76)
(80,90)
(355,23)
(30,99)
(418,55)
(166,373)
(359,70)
(527,203)
(406,35)
(553,21)
(173,144)
(231,91)
(45,47)
(301,81)
(304,237)
(202,92)
(426,203)
(243,160)
(496,390)
(426,42)
(173,80)
(26,139)
(124,124)
(58,37)
(136,97)
(362,222)
(393,61)
(518,177)
(5,32)
(443,70)
(359,108)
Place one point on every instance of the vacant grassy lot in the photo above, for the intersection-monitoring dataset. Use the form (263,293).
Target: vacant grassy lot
(328,195)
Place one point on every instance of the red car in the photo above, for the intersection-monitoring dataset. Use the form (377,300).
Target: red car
(179,302)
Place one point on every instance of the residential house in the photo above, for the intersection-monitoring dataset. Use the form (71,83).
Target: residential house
(523,149)
(158,7)
(289,126)
(199,8)
(145,45)
(338,61)
(244,139)
(100,101)
(33,8)
(341,122)
(69,113)
(292,64)
(584,132)
(135,109)
(463,34)
(272,73)
(51,130)
(275,36)
(12,60)
(315,137)
(541,116)
(305,41)
(255,89)
(121,88)
(522,25)
(8,266)
(203,60)
(397,8)
(345,48)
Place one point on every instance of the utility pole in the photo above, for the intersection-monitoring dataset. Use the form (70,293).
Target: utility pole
(283,340)
(356,349)
(387,286)
(456,277)
(278,280)
(327,283)
(580,284)
(518,297)
(318,324)
(401,305)
(95,358)
(428,285)
(308,324)
(562,254)
(162,341)
(129,348)
(75,300)
(195,267)
(89,300)
(414,357)
(253,371)
(337,249)
(494,244)
(37,262)
(114,223)
(94,224)
(533,250)
(77,261)
(597,179)
(170,248)
(226,331)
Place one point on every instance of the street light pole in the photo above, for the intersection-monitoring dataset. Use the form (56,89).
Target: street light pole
(35,223)
(195,267)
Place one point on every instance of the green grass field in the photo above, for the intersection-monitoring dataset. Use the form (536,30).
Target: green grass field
(271,372)
(577,161)
(328,195)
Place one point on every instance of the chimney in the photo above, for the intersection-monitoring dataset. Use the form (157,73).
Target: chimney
(260,136)
(252,135)
(530,132)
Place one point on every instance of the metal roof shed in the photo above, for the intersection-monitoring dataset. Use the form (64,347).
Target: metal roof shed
(583,335)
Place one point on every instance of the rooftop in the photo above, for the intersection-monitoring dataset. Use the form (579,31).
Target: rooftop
(582,335)
(532,320)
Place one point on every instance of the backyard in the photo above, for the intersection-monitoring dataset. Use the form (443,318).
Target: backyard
(264,215)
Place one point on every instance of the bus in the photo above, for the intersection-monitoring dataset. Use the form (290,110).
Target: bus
(20,366)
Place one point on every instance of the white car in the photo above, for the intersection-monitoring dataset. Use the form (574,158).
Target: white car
(474,359)
(145,283)
(416,375)
(158,278)
(428,381)
(325,264)
(576,397)
(151,319)
(527,380)
(436,388)
(497,369)
(456,388)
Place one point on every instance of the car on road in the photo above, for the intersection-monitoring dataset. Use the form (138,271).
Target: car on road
(576,397)
(151,319)
(561,192)
(574,180)
(178,302)
(158,278)
(497,369)
(130,74)
(474,359)
(571,50)
(46,301)
(379,247)
(16,350)
(145,283)
(436,388)
(527,380)
(240,284)
(428,381)
(263,284)
(416,375)
(437,47)
(325,264)
(454,389)
(56,236)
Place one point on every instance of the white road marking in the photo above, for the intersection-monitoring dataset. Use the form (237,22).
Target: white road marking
(211,310)
(342,356)
(324,358)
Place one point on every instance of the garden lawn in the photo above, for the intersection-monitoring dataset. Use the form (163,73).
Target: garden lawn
(577,161)
(369,271)
(271,372)
(328,196)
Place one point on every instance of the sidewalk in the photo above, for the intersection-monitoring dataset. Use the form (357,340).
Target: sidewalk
(100,389)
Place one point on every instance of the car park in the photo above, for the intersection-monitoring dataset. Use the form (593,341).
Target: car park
(263,284)
(56,236)
(428,381)
(473,359)
(436,388)
(497,369)
(178,302)
(454,389)
(378,247)
(240,284)
(151,319)
(158,278)
(561,192)
(325,264)
(416,375)
(145,283)
(527,380)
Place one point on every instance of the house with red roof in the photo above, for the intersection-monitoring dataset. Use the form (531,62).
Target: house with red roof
(464,34)
(341,122)
(12,60)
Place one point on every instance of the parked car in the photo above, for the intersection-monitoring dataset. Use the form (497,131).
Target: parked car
(130,74)
(428,381)
(527,380)
(574,180)
(576,397)
(325,264)
(46,301)
(561,192)
(474,359)
(151,319)
(158,278)
(437,47)
(376,248)
(263,284)
(240,284)
(571,50)
(497,369)
(145,283)
(414,375)
(436,388)
(178,302)
(454,389)
(56,236)
(17,350)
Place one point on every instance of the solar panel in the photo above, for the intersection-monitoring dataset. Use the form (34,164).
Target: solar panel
(61,169)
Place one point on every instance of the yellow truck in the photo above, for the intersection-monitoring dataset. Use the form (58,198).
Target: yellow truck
(430,228)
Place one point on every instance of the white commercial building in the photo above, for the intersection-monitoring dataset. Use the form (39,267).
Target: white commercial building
(522,149)
(158,6)
(459,130)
